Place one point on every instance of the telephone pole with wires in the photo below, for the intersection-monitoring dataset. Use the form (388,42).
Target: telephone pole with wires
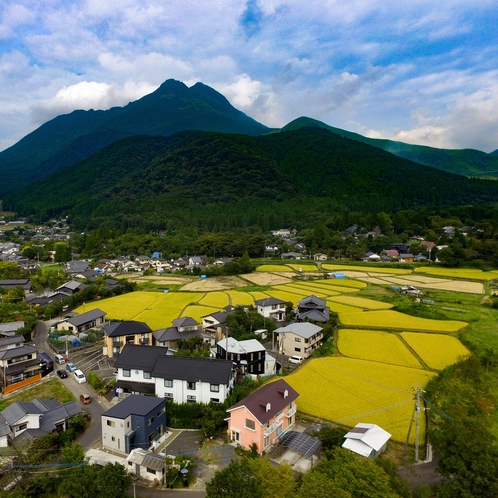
(415,415)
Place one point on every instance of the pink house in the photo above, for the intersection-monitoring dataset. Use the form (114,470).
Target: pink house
(263,415)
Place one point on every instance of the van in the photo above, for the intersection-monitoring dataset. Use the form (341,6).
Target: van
(60,359)
(296,359)
(79,376)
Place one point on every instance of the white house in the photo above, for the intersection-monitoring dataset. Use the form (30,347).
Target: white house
(368,440)
(146,464)
(271,307)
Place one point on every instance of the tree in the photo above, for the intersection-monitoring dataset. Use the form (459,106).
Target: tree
(276,482)
(113,481)
(72,452)
(62,252)
(318,485)
(237,480)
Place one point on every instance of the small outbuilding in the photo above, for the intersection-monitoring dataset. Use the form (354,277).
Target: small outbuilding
(368,440)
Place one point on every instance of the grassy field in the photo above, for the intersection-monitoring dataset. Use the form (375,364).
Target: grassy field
(45,389)
(436,350)
(388,319)
(383,347)
(349,391)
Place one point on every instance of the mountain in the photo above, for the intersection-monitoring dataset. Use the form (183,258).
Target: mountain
(467,162)
(72,137)
(208,180)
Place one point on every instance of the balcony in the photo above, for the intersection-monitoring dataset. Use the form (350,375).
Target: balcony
(292,411)
(269,430)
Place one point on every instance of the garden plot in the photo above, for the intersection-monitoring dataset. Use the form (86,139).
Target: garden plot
(436,350)
(348,391)
(388,319)
(383,347)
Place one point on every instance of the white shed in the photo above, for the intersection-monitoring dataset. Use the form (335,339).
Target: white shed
(367,440)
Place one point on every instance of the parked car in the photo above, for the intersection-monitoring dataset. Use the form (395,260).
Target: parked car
(79,376)
(296,359)
(62,374)
(85,399)
(60,359)
(70,367)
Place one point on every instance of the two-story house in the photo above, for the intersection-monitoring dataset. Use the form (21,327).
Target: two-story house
(248,356)
(183,328)
(314,309)
(135,422)
(134,366)
(18,362)
(117,335)
(193,380)
(271,307)
(215,324)
(153,371)
(299,339)
(263,415)
(82,322)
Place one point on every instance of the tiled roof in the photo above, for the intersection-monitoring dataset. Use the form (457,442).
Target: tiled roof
(305,329)
(86,317)
(139,357)
(126,328)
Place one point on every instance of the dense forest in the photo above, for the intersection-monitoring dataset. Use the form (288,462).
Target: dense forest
(219,181)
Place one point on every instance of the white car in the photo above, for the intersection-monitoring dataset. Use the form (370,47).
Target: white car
(79,376)
(296,359)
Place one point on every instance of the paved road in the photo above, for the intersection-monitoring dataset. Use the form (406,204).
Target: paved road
(94,409)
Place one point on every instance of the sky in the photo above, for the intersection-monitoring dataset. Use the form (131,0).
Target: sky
(422,72)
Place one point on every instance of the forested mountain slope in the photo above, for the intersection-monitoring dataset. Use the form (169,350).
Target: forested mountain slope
(468,162)
(72,137)
(219,180)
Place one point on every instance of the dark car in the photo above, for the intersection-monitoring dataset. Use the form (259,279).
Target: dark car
(62,374)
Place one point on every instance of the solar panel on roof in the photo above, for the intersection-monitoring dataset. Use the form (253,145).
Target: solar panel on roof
(300,442)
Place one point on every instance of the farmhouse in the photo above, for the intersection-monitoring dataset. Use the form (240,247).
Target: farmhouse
(85,321)
(314,309)
(263,415)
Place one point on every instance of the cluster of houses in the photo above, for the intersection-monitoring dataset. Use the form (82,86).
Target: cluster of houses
(11,253)
(402,253)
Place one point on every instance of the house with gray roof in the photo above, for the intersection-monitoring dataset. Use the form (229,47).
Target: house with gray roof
(183,328)
(299,339)
(215,324)
(118,334)
(146,464)
(18,361)
(134,422)
(70,288)
(271,307)
(312,308)
(39,417)
(25,283)
(249,356)
(84,321)
(10,328)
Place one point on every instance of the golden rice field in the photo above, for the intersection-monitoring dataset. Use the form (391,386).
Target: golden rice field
(196,312)
(383,347)
(256,296)
(388,319)
(304,268)
(157,319)
(436,350)
(349,391)
(368,269)
(215,299)
(341,308)
(458,273)
(286,296)
(361,302)
(340,283)
(240,298)
(275,268)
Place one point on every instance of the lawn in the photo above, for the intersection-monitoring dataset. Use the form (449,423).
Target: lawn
(388,319)
(383,347)
(45,389)
(349,391)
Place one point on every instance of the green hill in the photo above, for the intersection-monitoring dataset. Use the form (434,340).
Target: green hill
(207,180)
(72,137)
(467,162)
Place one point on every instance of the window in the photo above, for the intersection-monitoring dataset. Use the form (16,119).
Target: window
(138,424)
(168,383)
(146,375)
(151,420)
(113,438)
(130,464)
(267,441)
(22,427)
(250,424)
(297,339)
(215,400)
(128,424)
(161,411)
(151,471)
(126,373)
(111,423)
(214,388)
(191,386)
(298,350)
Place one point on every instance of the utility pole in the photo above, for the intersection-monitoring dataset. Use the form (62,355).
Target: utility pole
(416,414)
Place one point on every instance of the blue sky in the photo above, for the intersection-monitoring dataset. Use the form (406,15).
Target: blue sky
(421,71)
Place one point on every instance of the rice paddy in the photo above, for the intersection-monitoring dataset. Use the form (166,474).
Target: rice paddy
(274,268)
(388,319)
(436,350)
(466,273)
(383,347)
(348,391)
(366,269)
